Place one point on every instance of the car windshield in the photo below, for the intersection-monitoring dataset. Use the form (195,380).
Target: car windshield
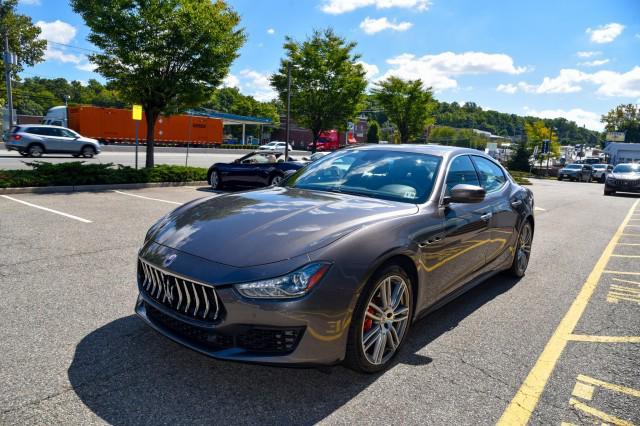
(574,167)
(627,168)
(392,175)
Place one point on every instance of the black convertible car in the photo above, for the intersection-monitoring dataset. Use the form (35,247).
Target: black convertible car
(259,168)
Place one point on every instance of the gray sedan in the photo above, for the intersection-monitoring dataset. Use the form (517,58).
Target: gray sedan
(34,140)
(336,263)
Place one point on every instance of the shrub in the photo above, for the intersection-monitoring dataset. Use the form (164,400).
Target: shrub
(78,173)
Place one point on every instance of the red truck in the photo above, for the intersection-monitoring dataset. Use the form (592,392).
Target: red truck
(332,140)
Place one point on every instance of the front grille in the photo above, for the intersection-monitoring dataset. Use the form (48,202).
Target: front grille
(626,182)
(263,341)
(186,297)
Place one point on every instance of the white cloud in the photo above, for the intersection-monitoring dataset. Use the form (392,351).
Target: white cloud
(588,54)
(59,55)
(372,26)
(271,31)
(590,120)
(337,7)
(231,81)
(257,84)
(30,2)
(595,63)
(87,66)
(605,33)
(610,83)
(371,69)
(56,31)
(437,70)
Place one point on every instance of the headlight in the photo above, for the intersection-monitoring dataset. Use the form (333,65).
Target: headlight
(295,284)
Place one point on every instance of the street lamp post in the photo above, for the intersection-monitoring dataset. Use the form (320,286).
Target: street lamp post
(549,150)
(286,147)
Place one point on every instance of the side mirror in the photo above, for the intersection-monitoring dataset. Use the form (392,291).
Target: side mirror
(466,194)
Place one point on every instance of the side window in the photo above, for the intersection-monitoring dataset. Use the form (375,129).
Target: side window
(34,130)
(491,176)
(67,134)
(461,171)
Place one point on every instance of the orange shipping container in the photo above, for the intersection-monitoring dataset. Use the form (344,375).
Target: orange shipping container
(116,125)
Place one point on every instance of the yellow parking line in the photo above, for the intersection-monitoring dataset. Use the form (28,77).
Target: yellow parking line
(524,402)
(603,339)
(609,386)
(621,273)
(607,418)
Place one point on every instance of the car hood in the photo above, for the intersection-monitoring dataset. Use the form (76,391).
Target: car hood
(569,170)
(625,176)
(259,227)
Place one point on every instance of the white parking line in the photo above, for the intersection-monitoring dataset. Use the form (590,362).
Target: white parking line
(149,198)
(70,216)
(540,209)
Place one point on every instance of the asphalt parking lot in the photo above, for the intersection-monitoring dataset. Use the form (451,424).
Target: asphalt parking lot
(561,345)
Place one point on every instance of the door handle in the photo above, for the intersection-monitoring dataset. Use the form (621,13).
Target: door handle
(486,216)
(516,203)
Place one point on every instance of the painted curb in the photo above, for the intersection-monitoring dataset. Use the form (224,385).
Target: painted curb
(81,188)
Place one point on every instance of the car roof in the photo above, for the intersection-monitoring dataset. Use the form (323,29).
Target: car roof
(42,125)
(437,150)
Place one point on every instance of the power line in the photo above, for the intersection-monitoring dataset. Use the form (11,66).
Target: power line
(73,47)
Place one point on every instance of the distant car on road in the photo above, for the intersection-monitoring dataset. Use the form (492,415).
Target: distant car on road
(576,172)
(34,140)
(600,171)
(624,177)
(275,146)
(260,168)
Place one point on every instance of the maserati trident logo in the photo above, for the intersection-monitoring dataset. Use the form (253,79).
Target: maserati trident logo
(169,260)
(167,288)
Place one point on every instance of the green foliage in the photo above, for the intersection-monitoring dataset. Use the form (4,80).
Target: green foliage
(373,133)
(536,133)
(327,83)
(520,177)
(165,55)
(78,173)
(34,96)
(444,135)
(407,104)
(23,37)
(520,158)
(624,118)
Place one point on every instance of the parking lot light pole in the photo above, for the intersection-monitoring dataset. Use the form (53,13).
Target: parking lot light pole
(286,146)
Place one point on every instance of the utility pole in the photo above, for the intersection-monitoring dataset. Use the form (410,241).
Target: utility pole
(286,147)
(549,149)
(9,59)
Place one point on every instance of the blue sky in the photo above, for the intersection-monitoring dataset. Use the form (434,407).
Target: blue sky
(575,59)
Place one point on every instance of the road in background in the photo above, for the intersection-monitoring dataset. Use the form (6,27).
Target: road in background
(73,352)
(125,155)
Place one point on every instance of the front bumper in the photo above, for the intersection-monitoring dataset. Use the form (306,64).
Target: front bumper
(311,330)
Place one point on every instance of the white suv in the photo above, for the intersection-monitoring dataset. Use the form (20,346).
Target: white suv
(275,146)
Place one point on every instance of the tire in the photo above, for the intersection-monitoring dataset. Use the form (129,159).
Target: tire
(214,180)
(559,177)
(35,151)
(378,330)
(602,178)
(609,192)
(523,251)
(88,151)
(589,179)
(275,180)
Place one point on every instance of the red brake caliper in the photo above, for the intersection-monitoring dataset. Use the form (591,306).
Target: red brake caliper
(368,322)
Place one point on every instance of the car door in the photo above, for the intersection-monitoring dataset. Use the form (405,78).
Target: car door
(502,205)
(247,173)
(461,253)
(67,140)
(51,139)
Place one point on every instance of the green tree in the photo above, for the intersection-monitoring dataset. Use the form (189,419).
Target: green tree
(165,55)
(373,132)
(408,105)
(624,118)
(23,36)
(520,159)
(327,83)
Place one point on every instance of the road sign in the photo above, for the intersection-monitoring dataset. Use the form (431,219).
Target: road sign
(545,146)
(136,112)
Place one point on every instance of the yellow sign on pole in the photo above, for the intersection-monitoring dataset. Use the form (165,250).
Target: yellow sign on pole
(137,112)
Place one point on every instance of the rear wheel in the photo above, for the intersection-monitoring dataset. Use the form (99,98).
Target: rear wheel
(559,177)
(275,180)
(214,180)
(523,251)
(35,151)
(380,321)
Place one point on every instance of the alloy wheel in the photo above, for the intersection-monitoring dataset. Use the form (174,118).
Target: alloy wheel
(386,320)
(275,181)
(213,180)
(524,248)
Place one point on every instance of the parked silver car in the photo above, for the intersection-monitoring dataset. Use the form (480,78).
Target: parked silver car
(600,172)
(33,140)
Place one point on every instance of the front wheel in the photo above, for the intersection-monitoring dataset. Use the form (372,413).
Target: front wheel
(523,251)
(380,321)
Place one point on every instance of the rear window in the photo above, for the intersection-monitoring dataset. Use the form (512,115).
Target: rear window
(15,129)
